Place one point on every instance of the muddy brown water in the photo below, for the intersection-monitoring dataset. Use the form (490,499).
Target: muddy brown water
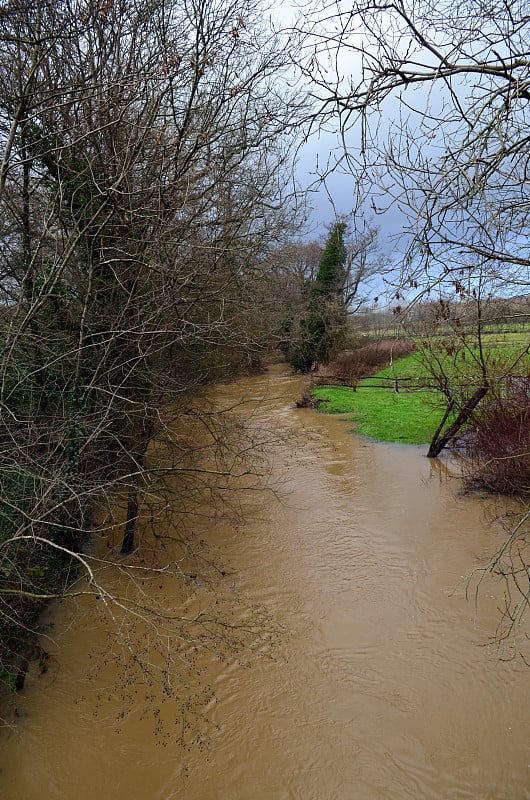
(380,687)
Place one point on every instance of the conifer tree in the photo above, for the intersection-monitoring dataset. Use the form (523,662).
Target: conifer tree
(322,330)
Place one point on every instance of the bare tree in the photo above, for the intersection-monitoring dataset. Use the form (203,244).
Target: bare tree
(433,112)
(145,168)
(432,103)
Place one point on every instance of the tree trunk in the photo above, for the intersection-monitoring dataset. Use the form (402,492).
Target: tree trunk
(21,675)
(127,545)
(439,429)
(439,442)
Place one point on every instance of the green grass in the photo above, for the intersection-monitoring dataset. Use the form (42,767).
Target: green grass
(411,371)
(412,414)
(407,417)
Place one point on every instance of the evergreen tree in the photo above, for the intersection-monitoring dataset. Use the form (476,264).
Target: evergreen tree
(332,267)
(323,329)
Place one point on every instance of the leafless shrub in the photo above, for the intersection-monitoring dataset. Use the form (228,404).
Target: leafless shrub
(497,445)
(353,365)
(307,400)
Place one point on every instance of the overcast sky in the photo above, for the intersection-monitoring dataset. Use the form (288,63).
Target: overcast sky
(335,195)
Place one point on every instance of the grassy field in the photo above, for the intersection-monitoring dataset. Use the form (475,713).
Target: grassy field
(412,414)
(407,417)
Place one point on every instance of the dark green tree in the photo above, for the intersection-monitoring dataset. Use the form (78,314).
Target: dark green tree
(322,331)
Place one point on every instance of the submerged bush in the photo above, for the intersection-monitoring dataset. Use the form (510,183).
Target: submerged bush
(497,445)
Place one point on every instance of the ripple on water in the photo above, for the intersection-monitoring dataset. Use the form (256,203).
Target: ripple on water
(380,688)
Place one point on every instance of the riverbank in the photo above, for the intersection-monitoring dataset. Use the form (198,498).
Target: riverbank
(407,399)
(382,413)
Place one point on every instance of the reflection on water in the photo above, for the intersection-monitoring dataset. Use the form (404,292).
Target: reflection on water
(381,686)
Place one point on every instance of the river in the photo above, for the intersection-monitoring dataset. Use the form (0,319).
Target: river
(380,684)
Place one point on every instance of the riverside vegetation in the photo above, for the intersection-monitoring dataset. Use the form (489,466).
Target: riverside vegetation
(402,402)
(151,245)
(144,178)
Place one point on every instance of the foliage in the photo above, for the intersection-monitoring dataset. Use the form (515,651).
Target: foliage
(332,267)
(322,330)
(141,184)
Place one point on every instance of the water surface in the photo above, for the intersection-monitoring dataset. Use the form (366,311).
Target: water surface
(380,686)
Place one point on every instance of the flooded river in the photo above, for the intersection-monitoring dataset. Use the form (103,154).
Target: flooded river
(380,686)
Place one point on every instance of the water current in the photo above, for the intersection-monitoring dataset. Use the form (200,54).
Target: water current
(381,686)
